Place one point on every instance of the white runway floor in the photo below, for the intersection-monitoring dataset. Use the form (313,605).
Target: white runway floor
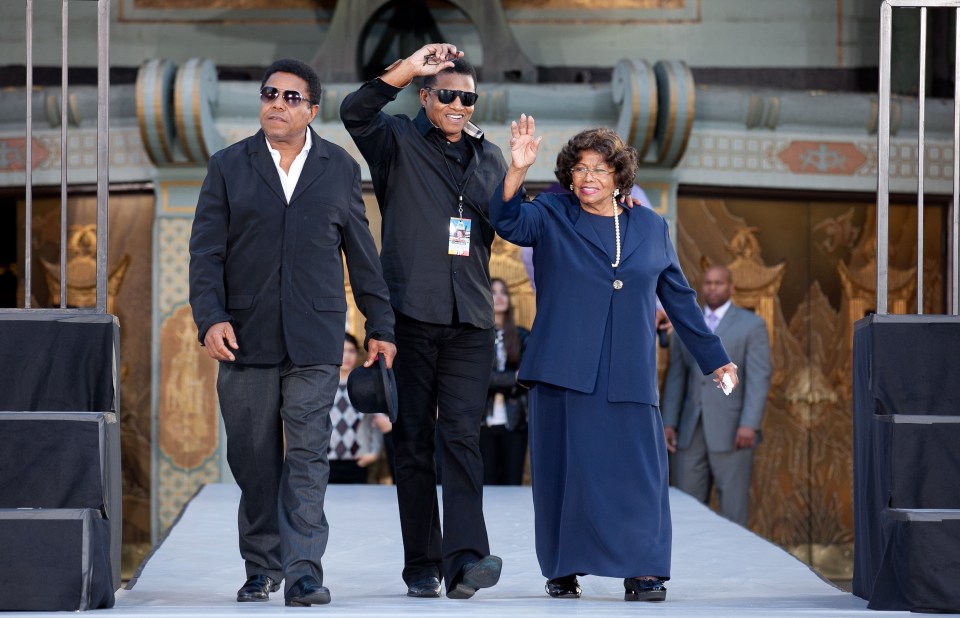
(719,568)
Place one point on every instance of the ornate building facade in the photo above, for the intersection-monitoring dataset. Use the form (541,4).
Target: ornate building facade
(773,180)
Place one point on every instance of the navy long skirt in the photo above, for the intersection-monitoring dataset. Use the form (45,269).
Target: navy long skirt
(600,482)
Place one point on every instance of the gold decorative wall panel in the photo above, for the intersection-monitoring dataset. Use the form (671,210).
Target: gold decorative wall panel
(130,299)
(808,269)
(506,264)
(188,431)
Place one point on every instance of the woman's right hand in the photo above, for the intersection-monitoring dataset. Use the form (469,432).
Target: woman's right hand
(523,144)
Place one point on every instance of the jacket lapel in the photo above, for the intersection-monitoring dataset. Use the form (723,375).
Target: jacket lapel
(263,163)
(728,318)
(312,167)
(634,236)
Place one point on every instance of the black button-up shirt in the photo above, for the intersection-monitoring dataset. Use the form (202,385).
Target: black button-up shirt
(416,174)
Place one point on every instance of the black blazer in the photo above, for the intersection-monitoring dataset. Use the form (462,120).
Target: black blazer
(505,383)
(274,270)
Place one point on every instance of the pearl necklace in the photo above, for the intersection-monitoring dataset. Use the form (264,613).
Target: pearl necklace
(616,226)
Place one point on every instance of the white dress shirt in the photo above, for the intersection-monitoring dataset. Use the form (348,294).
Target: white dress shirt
(289,179)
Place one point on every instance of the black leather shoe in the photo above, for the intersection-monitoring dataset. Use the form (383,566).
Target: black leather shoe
(425,587)
(481,574)
(644,589)
(306,592)
(563,587)
(257,588)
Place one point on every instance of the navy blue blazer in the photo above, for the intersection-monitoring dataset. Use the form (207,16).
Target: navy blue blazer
(576,291)
(274,270)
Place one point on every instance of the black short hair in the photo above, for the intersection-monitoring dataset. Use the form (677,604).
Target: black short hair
(460,66)
(348,338)
(302,70)
(608,144)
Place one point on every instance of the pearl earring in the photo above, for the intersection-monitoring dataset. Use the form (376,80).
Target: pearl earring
(571,186)
(616,192)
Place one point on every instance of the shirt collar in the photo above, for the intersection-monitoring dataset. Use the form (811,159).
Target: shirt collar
(306,145)
(719,311)
(424,126)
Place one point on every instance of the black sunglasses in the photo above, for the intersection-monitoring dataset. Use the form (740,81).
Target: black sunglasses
(447,96)
(269,94)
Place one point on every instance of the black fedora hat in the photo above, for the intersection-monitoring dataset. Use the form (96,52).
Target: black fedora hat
(373,389)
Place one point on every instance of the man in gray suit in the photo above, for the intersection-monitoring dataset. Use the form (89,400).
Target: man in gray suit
(712,435)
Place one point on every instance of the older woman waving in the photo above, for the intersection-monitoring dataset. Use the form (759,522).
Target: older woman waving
(597,450)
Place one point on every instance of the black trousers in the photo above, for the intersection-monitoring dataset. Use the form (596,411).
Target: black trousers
(442,375)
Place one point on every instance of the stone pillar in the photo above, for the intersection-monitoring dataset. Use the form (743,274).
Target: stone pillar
(174,111)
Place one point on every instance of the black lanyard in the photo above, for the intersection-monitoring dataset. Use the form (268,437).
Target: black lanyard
(459,187)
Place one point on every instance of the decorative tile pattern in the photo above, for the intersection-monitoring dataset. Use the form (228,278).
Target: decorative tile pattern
(175,486)
(173,253)
(128,159)
(779,154)
(841,158)
(13,153)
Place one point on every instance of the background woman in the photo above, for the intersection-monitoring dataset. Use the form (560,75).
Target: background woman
(357,438)
(597,451)
(503,436)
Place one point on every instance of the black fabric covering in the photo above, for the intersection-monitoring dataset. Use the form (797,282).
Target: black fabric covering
(906,406)
(922,452)
(920,570)
(62,560)
(57,361)
(62,368)
(63,460)
(43,464)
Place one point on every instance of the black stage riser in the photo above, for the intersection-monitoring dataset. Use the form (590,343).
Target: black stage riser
(54,560)
(922,450)
(57,361)
(68,363)
(906,422)
(924,546)
(63,460)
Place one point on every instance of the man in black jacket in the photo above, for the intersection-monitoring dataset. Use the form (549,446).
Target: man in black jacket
(266,287)
(433,177)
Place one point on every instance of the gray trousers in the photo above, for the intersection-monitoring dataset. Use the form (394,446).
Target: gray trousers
(283,529)
(696,467)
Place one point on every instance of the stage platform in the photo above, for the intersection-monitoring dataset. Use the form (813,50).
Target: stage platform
(719,568)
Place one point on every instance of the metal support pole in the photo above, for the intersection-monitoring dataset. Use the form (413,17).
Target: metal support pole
(921,154)
(64,146)
(103,147)
(883,159)
(955,233)
(28,165)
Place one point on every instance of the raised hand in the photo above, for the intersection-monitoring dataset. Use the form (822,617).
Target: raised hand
(524,145)
(428,60)
(433,58)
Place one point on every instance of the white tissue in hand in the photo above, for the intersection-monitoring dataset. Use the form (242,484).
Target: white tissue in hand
(726,384)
